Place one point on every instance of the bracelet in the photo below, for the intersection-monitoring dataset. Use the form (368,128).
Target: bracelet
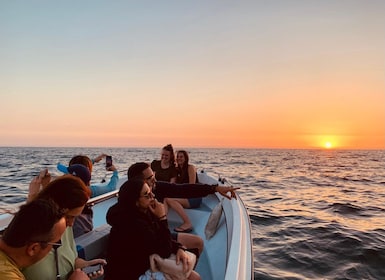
(164,216)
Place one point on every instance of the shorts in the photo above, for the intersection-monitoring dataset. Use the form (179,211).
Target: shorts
(195,202)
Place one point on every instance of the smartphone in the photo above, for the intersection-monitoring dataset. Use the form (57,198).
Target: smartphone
(108,161)
(92,269)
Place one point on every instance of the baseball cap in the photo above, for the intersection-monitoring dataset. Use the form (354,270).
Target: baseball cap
(77,170)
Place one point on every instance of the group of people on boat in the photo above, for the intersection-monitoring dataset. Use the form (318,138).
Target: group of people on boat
(39,242)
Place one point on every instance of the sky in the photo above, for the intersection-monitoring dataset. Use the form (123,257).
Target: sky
(234,74)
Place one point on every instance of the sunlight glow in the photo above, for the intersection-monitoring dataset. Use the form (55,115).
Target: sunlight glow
(329,141)
(328,145)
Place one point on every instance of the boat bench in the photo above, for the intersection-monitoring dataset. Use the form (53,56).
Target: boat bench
(93,244)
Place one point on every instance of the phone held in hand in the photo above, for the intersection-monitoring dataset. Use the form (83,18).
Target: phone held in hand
(92,270)
(108,161)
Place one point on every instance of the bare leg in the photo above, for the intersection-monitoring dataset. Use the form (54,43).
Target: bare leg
(178,205)
(191,241)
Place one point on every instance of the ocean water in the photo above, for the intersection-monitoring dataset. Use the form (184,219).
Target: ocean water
(315,214)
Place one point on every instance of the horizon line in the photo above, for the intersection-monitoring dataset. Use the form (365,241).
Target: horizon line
(201,147)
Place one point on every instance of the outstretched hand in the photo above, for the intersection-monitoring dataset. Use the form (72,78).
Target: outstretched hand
(223,190)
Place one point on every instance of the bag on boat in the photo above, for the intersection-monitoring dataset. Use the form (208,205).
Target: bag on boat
(169,268)
(213,220)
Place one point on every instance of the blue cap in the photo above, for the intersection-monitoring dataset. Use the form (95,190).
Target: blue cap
(77,170)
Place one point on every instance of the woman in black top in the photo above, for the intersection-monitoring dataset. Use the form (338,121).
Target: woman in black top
(165,169)
(139,229)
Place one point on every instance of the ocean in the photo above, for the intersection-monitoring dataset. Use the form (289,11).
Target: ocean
(315,214)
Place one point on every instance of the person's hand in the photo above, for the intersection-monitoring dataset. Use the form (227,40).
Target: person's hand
(45,177)
(111,168)
(157,208)
(99,158)
(181,256)
(78,274)
(223,190)
(38,183)
(83,263)
(80,263)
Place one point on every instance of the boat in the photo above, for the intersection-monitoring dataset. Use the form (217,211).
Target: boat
(226,255)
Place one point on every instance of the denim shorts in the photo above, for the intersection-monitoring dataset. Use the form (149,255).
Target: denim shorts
(195,202)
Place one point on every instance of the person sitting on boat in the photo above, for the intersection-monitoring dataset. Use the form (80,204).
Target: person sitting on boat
(139,229)
(163,189)
(71,194)
(84,222)
(186,174)
(29,237)
(165,168)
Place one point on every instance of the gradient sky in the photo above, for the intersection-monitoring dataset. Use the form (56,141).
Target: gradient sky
(253,74)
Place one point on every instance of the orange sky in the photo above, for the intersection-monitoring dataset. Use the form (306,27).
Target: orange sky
(288,74)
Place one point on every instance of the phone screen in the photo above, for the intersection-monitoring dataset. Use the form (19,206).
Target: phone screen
(89,270)
(108,161)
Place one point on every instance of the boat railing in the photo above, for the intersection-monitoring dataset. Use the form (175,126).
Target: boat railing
(100,198)
(239,246)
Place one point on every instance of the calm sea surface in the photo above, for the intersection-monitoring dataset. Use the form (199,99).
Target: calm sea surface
(315,214)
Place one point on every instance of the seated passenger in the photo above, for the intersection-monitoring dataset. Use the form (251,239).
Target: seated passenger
(164,168)
(186,174)
(139,229)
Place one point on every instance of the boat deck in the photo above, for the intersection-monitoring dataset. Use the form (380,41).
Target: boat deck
(212,262)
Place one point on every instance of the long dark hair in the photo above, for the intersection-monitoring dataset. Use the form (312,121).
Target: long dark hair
(183,170)
(129,192)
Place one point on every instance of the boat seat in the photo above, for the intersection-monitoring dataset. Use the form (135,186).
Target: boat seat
(92,245)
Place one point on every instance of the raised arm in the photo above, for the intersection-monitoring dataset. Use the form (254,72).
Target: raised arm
(38,183)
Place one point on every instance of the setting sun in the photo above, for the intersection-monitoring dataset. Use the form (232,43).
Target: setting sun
(328,145)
